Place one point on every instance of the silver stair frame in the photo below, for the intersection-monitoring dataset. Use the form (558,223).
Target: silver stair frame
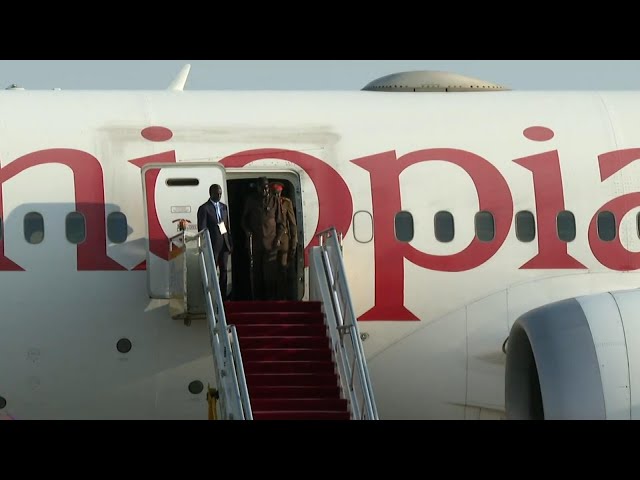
(230,376)
(329,286)
(234,403)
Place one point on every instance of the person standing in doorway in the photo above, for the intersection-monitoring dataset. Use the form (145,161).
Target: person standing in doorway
(286,240)
(213,216)
(259,221)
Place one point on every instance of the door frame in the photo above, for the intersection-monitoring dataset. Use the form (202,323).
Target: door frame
(293,176)
(160,166)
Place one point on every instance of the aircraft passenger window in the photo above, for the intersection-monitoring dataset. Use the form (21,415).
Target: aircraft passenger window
(362,227)
(117,227)
(606,226)
(485,227)
(525,226)
(33,228)
(566,223)
(444,227)
(75,228)
(404,226)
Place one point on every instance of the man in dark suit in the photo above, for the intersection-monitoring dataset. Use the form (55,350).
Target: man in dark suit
(213,215)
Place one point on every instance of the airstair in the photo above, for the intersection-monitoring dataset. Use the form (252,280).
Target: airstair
(299,360)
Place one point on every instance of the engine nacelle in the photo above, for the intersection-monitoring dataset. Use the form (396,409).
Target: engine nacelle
(576,359)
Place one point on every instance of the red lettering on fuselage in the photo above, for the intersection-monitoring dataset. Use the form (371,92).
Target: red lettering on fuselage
(547,184)
(336,209)
(385,169)
(158,240)
(88,185)
(612,254)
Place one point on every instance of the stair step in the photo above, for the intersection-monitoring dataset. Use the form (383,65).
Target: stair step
(297,415)
(280,306)
(268,318)
(288,366)
(280,330)
(273,354)
(288,361)
(299,404)
(312,391)
(290,379)
(294,341)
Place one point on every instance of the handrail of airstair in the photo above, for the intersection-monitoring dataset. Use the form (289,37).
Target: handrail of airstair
(239,367)
(230,375)
(354,372)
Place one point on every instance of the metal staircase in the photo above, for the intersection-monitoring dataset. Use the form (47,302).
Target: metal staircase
(189,294)
(329,285)
(302,363)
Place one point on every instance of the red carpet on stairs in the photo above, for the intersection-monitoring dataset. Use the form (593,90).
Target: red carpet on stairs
(287,361)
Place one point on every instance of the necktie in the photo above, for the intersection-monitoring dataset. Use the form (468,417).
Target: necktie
(218,212)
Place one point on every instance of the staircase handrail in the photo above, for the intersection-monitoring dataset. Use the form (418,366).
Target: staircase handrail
(230,375)
(346,326)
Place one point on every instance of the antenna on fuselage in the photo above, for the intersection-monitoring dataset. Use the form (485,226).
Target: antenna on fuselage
(181,79)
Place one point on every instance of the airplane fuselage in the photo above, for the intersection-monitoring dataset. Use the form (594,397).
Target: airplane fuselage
(456,211)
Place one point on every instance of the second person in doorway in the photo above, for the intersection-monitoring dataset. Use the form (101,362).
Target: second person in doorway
(286,241)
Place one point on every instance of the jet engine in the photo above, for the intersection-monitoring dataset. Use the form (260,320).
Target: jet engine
(575,359)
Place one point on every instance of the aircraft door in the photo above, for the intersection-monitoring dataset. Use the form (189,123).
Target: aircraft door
(173,192)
